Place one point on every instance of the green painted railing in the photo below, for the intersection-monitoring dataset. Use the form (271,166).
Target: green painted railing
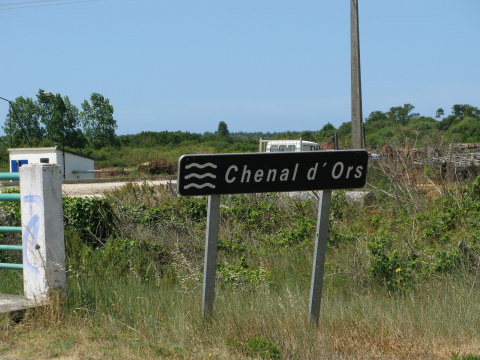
(9,197)
(10,229)
(11,266)
(9,176)
(11,247)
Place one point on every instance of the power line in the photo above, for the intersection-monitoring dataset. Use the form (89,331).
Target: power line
(27,2)
(30,4)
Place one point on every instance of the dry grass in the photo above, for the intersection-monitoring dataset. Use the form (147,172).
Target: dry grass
(134,321)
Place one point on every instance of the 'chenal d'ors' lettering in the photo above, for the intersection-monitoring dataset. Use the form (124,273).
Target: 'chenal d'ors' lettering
(246,175)
(205,174)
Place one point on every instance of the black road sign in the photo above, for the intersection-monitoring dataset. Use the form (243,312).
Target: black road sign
(271,172)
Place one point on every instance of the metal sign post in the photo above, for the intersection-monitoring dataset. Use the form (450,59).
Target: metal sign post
(319,257)
(217,174)
(210,264)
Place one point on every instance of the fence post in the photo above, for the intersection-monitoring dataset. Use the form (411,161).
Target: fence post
(43,239)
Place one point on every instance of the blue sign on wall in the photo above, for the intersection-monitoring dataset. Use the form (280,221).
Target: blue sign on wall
(17,163)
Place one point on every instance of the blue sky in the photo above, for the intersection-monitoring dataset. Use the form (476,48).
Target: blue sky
(258,65)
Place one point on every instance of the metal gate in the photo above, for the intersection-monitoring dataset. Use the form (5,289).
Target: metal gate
(10,229)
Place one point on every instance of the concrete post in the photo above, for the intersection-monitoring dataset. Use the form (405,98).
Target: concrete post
(43,239)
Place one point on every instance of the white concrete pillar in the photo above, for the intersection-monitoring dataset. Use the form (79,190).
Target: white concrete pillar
(42,231)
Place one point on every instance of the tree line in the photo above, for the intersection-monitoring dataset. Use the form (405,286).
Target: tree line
(402,125)
(49,119)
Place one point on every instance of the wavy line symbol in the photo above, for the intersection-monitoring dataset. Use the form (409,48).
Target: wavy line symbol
(200,166)
(199,186)
(200,176)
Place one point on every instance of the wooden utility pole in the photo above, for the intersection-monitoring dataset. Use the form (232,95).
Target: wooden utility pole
(357,126)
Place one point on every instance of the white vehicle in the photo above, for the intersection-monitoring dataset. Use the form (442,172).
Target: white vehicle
(291,145)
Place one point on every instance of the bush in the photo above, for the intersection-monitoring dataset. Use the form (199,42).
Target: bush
(117,257)
(240,274)
(262,348)
(391,268)
(92,217)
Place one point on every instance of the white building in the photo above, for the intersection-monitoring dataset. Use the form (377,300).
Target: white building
(291,145)
(73,166)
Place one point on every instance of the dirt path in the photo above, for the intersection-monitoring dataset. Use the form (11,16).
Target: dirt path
(98,189)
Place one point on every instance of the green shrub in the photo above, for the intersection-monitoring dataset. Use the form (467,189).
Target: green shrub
(447,260)
(262,348)
(391,268)
(92,217)
(255,213)
(117,257)
(440,221)
(10,211)
(120,257)
(241,274)
(300,230)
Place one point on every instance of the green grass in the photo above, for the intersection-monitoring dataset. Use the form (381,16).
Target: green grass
(11,281)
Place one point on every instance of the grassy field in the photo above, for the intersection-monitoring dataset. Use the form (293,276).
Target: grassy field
(127,319)
(396,284)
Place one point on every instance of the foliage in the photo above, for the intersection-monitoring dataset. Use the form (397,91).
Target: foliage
(52,118)
(98,122)
(60,119)
(465,357)
(222,130)
(22,124)
(326,133)
(389,267)
(10,210)
(465,130)
(92,217)
(402,114)
(151,139)
(262,348)
(240,274)
(117,257)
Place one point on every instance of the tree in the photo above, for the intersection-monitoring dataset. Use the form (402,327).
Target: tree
(60,118)
(344,132)
(326,133)
(439,113)
(423,123)
(307,135)
(222,130)
(402,114)
(22,124)
(98,122)
(465,110)
(466,130)
(459,112)
(376,116)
